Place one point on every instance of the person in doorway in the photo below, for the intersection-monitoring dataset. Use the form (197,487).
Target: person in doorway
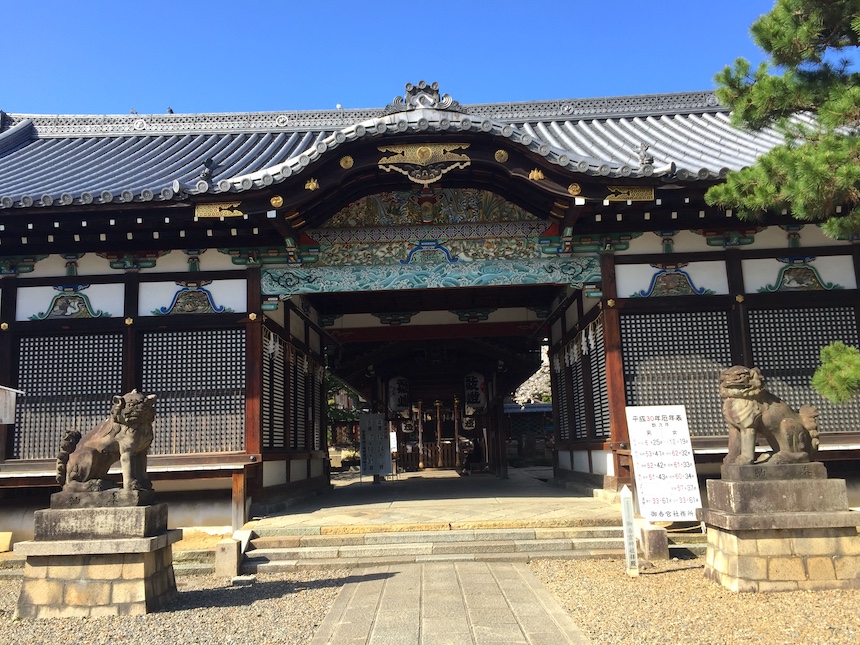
(475,456)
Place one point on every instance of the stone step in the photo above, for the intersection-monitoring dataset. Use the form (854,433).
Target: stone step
(407,537)
(250,566)
(417,548)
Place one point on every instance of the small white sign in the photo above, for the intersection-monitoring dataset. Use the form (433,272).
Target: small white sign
(7,405)
(375,445)
(666,484)
(629,527)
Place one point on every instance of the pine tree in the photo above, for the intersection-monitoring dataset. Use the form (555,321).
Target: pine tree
(807,92)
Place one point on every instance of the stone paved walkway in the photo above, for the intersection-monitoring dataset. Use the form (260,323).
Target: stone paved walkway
(447,603)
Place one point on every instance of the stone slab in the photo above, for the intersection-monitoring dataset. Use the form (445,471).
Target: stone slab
(770,472)
(96,523)
(100,546)
(760,521)
(778,496)
(103,498)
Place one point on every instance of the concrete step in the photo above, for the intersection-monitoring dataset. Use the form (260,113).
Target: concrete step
(288,552)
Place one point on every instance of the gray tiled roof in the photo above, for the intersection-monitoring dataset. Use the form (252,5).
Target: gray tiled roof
(66,160)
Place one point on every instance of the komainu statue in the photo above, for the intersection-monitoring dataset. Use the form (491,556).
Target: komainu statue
(125,436)
(749,409)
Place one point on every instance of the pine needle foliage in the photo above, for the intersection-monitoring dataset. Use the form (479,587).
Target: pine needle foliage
(838,378)
(807,92)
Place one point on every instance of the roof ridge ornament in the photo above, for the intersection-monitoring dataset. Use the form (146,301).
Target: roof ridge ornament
(422,96)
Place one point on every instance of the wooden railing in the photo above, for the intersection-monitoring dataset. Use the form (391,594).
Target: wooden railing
(408,460)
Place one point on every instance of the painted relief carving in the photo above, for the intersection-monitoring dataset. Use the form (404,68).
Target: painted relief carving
(424,163)
(70,303)
(799,276)
(192,298)
(671,280)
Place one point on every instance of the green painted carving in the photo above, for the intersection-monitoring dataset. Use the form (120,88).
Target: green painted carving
(70,303)
(573,270)
(799,276)
(17,264)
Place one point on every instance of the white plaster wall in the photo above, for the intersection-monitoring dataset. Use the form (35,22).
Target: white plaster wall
(580,461)
(297,326)
(277,315)
(811,235)
(564,460)
(317,467)
(555,335)
(298,470)
(105,297)
(601,461)
(225,293)
(51,266)
(683,242)
(837,269)
(633,278)
(589,303)
(173,262)
(314,341)
(274,473)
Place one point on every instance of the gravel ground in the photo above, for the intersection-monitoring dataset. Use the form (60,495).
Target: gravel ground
(279,609)
(669,603)
(672,602)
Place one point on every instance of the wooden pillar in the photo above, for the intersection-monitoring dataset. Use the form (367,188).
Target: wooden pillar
(438,405)
(420,436)
(132,351)
(457,433)
(8,306)
(619,439)
(739,333)
(253,365)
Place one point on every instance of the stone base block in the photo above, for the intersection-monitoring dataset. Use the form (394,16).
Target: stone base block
(775,496)
(94,523)
(784,559)
(770,472)
(112,584)
(102,499)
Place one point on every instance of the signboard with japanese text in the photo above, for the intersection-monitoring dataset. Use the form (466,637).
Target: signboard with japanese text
(666,484)
(398,395)
(375,446)
(476,392)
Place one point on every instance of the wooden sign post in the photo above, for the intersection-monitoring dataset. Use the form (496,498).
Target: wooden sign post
(631,557)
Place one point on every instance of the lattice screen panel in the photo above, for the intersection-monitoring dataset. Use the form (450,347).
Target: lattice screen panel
(273,409)
(786,344)
(69,383)
(561,397)
(579,421)
(597,356)
(299,412)
(675,359)
(199,379)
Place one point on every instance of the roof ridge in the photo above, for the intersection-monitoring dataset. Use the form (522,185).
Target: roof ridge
(292,120)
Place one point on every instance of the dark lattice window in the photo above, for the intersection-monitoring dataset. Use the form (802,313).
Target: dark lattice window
(675,359)
(560,398)
(273,405)
(786,345)
(199,379)
(579,421)
(597,356)
(299,412)
(68,384)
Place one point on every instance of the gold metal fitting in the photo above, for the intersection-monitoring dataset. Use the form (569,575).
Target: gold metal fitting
(277,201)
(129,322)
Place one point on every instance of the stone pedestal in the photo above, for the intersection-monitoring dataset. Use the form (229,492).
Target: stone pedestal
(97,561)
(781,528)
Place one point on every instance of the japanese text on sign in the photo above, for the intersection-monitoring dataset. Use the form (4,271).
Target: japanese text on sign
(666,484)
(375,451)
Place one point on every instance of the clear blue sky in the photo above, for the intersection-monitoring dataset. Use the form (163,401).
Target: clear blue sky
(107,57)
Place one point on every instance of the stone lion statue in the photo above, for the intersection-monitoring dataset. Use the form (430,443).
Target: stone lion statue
(749,409)
(125,436)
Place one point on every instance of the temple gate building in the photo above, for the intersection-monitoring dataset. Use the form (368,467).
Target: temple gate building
(423,253)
